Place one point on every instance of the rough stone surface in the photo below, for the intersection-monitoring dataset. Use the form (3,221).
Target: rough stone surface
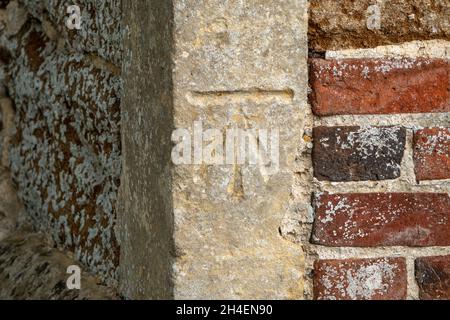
(7,129)
(382,219)
(374,86)
(433,277)
(65,156)
(145,216)
(355,153)
(432,153)
(335,25)
(360,279)
(11,211)
(235,64)
(66,151)
(31,269)
(101,25)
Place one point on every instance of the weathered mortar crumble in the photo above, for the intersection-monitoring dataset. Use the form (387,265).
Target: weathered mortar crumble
(66,151)
(437,49)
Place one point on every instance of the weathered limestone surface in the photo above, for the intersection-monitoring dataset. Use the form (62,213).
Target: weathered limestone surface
(343,24)
(32,269)
(101,32)
(145,215)
(210,231)
(65,155)
(30,266)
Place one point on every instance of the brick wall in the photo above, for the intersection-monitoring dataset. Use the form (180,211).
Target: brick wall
(385,216)
(380,225)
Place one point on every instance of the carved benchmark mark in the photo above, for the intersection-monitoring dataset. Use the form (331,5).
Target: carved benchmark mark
(208,98)
(235,187)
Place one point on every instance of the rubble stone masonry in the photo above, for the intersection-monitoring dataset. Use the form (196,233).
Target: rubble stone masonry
(65,154)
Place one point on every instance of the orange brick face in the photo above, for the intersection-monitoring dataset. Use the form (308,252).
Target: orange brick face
(373,86)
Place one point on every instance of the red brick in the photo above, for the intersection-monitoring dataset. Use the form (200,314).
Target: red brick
(432,153)
(433,277)
(360,279)
(374,86)
(382,219)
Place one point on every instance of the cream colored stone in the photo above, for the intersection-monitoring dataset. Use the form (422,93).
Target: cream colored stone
(204,231)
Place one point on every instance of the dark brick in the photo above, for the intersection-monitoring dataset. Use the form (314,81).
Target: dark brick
(376,86)
(355,154)
(360,279)
(433,277)
(382,219)
(432,153)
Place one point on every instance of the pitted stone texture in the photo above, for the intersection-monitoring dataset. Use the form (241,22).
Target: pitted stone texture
(12,213)
(382,219)
(360,279)
(233,64)
(355,153)
(432,153)
(433,277)
(336,25)
(379,86)
(145,214)
(228,217)
(101,25)
(14,17)
(65,155)
(32,269)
